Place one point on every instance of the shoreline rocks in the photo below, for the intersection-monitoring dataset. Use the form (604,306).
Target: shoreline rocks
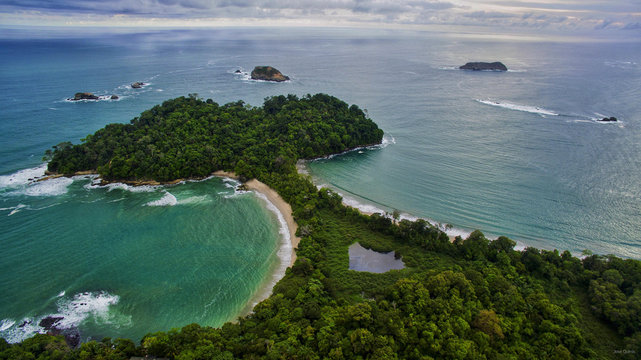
(138,85)
(71,335)
(268,73)
(484,66)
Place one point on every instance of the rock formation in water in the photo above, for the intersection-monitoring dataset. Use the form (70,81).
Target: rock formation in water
(610,119)
(84,96)
(478,66)
(268,73)
(138,85)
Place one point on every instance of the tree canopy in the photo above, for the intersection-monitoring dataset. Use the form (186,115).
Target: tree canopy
(472,298)
(189,137)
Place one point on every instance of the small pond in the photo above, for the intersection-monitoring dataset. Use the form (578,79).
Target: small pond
(361,259)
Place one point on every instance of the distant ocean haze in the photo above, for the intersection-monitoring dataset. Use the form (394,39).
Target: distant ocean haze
(517,153)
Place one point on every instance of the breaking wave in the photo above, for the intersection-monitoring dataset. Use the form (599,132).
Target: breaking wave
(167,200)
(71,313)
(519,107)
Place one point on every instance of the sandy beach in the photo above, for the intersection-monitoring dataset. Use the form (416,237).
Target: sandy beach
(301,167)
(272,196)
(283,207)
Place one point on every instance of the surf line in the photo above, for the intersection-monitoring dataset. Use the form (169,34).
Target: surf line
(288,239)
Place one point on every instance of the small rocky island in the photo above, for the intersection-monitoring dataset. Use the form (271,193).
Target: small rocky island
(268,73)
(479,66)
(90,96)
(610,119)
(84,96)
(138,85)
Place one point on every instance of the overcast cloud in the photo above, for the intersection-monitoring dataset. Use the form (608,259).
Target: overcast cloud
(562,15)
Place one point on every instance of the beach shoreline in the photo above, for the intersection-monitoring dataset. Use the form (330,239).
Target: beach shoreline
(281,205)
(288,240)
(301,168)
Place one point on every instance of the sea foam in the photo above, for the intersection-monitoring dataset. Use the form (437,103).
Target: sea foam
(96,184)
(5,324)
(519,107)
(284,252)
(51,187)
(22,177)
(235,185)
(167,200)
(373,209)
(25,182)
(82,307)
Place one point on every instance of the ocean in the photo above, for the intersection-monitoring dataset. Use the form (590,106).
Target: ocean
(517,153)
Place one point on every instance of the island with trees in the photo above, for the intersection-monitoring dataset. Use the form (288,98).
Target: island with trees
(470,298)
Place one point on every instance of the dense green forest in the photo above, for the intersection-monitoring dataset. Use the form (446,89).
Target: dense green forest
(468,299)
(188,137)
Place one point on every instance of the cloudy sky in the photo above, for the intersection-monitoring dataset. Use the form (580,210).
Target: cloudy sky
(613,16)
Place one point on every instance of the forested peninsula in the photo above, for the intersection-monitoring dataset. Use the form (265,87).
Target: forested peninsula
(468,299)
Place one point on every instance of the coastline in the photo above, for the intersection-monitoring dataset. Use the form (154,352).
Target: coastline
(288,239)
(283,207)
(271,196)
(301,168)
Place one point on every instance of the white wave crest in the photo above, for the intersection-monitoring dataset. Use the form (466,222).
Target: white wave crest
(242,75)
(373,209)
(95,184)
(73,312)
(284,252)
(5,324)
(364,208)
(233,184)
(100,98)
(167,200)
(22,177)
(388,139)
(17,209)
(85,305)
(519,107)
(51,187)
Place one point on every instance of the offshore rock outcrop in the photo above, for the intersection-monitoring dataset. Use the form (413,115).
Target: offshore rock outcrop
(268,73)
(478,66)
(610,119)
(84,96)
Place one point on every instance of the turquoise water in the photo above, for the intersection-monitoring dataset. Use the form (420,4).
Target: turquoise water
(516,153)
(123,261)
